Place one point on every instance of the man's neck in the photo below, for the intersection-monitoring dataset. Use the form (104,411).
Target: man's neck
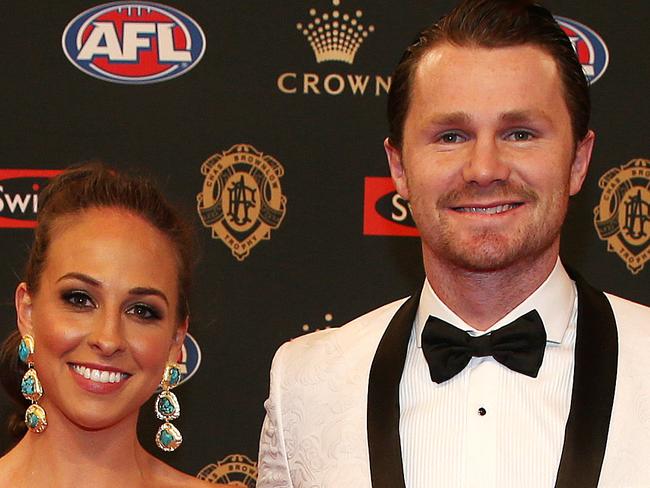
(481,298)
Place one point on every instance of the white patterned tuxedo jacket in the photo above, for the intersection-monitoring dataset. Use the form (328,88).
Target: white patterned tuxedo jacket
(333,408)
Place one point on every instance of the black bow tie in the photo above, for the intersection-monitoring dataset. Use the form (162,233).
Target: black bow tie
(518,345)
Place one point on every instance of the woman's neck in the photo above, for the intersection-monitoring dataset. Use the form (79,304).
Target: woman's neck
(66,453)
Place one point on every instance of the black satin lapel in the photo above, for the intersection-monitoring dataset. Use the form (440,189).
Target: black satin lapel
(594,381)
(384,447)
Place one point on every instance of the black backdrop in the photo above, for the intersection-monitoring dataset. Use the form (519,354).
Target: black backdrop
(321,267)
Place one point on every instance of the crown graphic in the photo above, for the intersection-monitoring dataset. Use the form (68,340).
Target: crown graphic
(335,36)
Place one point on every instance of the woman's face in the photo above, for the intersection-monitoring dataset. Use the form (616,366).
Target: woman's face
(104,317)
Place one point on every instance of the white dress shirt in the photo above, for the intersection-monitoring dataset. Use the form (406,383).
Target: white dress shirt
(489,426)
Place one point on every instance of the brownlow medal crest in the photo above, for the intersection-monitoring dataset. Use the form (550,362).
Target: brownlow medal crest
(235,469)
(242,199)
(623,216)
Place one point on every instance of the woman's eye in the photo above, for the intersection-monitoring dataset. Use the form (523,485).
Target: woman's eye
(78,299)
(143,312)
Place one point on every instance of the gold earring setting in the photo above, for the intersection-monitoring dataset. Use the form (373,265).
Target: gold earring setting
(167,408)
(31,388)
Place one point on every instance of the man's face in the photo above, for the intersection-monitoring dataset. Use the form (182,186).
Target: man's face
(488,159)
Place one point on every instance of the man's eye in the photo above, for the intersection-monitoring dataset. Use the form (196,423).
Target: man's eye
(520,135)
(143,312)
(451,138)
(78,299)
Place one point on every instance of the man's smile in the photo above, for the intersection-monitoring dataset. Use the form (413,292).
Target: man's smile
(488,209)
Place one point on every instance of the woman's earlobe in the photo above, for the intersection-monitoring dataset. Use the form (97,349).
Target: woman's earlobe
(178,339)
(23,302)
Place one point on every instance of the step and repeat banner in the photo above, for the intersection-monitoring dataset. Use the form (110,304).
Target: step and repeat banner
(264,121)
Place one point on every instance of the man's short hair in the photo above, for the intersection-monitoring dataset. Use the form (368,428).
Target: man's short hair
(493,24)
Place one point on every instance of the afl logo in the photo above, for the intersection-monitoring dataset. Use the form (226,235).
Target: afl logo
(589,46)
(133,42)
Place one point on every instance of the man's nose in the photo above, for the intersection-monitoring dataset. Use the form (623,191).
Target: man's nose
(485,164)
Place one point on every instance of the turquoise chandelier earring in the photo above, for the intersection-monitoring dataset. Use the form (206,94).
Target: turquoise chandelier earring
(31,387)
(167,408)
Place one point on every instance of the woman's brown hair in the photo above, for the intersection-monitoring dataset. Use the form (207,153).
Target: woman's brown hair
(82,187)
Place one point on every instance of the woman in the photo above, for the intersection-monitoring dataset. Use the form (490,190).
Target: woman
(102,315)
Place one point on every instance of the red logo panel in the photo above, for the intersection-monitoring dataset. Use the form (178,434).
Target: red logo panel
(19,196)
(385,213)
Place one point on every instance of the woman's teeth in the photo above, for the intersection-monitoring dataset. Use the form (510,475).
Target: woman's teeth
(98,375)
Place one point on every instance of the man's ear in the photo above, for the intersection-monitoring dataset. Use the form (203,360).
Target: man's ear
(581,162)
(23,301)
(177,341)
(396,167)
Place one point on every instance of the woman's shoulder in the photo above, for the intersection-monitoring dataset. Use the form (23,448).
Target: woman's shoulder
(170,477)
(186,481)
(10,469)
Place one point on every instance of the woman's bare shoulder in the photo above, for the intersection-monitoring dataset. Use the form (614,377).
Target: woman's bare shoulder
(169,477)
(10,470)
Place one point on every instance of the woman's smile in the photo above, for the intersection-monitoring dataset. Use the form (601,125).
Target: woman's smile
(98,379)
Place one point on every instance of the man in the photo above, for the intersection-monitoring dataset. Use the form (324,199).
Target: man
(505,370)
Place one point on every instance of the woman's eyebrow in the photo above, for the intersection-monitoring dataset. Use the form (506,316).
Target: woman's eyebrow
(141,291)
(81,277)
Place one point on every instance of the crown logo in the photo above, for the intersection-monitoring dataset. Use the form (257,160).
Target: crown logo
(335,36)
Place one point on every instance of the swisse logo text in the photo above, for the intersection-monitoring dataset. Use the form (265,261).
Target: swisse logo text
(335,36)
(19,196)
(133,42)
(591,49)
(385,212)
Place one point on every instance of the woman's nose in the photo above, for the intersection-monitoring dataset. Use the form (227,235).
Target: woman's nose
(107,335)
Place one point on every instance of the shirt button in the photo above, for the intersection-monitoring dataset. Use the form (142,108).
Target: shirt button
(482,411)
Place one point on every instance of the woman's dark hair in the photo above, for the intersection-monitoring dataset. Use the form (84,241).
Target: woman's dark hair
(10,377)
(83,187)
(493,24)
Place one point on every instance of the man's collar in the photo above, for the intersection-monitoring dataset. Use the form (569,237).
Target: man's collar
(554,300)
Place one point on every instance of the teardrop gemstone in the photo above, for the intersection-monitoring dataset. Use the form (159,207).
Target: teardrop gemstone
(171,376)
(167,406)
(30,386)
(35,418)
(174,376)
(26,348)
(168,437)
